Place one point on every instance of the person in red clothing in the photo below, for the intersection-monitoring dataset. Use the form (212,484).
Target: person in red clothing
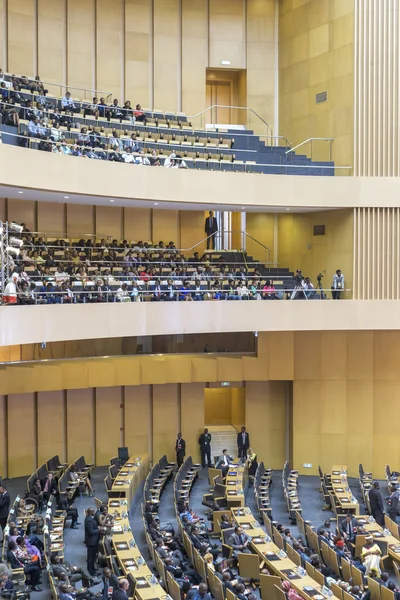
(144,276)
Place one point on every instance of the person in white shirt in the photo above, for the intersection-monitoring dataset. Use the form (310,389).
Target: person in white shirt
(10,291)
(122,294)
(127,156)
(170,161)
(60,275)
(135,293)
(337,285)
(67,103)
(142,159)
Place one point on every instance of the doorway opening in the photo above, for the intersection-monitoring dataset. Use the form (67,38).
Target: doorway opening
(226,88)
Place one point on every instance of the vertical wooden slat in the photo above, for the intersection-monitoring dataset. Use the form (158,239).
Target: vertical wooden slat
(373,255)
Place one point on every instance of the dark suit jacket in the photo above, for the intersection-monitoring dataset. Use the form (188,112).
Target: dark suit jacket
(91,531)
(210,225)
(15,563)
(344,527)
(4,505)
(246,444)
(375,498)
(183,446)
(109,583)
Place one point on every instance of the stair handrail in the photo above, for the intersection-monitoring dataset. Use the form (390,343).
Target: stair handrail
(314,139)
(269,128)
(266,248)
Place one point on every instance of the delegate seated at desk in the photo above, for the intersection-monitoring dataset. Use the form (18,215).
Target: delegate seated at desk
(224,461)
(239,540)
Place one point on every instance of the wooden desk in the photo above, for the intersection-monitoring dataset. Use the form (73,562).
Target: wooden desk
(235,482)
(268,552)
(130,476)
(126,551)
(341,490)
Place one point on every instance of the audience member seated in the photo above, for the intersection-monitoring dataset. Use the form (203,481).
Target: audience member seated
(20,558)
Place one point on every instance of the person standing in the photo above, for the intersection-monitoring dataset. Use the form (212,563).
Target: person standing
(376,503)
(337,285)
(211,228)
(243,443)
(393,503)
(205,448)
(4,506)
(180,449)
(92,536)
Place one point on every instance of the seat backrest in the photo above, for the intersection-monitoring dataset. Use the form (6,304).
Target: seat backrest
(226,534)
(374,588)
(123,454)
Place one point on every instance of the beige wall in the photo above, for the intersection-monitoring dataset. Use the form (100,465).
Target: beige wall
(316,45)
(299,248)
(150,51)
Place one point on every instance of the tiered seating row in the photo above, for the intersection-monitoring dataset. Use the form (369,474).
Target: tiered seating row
(290,480)
(262,483)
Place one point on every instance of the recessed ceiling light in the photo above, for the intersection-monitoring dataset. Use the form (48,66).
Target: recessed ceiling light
(111,200)
(20,192)
(288,209)
(66,197)
(155,203)
(243,207)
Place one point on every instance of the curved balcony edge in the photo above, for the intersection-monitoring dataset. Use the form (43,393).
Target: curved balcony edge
(39,324)
(50,177)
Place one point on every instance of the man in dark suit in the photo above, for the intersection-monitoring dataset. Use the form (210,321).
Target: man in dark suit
(205,448)
(243,443)
(224,461)
(120,592)
(376,502)
(4,506)
(239,540)
(211,228)
(393,503)
(92,536)
(110,582)
(348,528)
(180,449)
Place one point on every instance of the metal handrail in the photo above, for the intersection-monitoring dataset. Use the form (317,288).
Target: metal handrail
(269,128)
(312,139)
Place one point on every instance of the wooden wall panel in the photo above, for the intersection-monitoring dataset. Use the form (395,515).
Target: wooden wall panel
(167,60)
(138,224)
(166,420)
(266,421)
(3,30)
(137,419)
(21,37)
(21,434)
(52,42)
(51,425)
(80,425)
(192,416)
(138,35)
(22,211)
(192,230)
(81,44)
(227,33)
(217,406)
(194,55)
(80,219)
(166,226)
(51,218)
(108,423)
(109,222)
(109,45)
